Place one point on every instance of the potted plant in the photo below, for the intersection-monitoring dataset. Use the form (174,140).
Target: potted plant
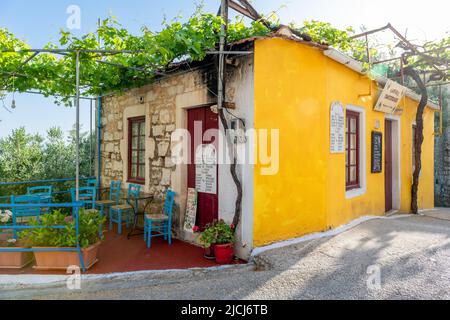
(220,236)
(11,260)
(207,239)
(44,238)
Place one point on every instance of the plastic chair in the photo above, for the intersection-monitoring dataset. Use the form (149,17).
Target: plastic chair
(160,225)
(121,212)
(114,199)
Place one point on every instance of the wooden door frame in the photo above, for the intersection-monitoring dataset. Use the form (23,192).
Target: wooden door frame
(209,198)
(396,160)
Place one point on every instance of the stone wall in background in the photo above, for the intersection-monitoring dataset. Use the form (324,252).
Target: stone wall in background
(442,163)
(442,169)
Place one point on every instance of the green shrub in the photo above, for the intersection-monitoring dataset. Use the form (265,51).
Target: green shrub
(89,226)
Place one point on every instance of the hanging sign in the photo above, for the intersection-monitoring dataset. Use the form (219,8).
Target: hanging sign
(206,169)
(337,128)
(390,97)
(191,210)
(377,152)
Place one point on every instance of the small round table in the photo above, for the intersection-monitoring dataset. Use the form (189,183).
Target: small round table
(134,203)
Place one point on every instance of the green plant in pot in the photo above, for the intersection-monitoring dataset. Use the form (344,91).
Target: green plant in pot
(11,260)
(220,237)
(207,240)
(89,239)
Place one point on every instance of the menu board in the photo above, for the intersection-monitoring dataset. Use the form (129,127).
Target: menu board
(206,169)
(377,152)
(390,97)
(337,128)
(191,210)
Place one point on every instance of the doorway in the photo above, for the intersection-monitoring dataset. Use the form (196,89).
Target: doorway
(392,164)
(203,178)
(388,165)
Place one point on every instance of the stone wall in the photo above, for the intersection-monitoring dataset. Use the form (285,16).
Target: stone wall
(442,163)
(442,169)
(158,103)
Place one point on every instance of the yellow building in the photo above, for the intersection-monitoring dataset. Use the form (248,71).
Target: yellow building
(295,86)
(283,91)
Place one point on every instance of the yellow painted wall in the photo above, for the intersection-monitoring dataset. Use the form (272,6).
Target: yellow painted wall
(295,85)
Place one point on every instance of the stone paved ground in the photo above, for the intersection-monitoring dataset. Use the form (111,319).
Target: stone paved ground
(412,253)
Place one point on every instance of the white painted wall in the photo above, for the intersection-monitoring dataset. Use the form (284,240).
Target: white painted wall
(241,87)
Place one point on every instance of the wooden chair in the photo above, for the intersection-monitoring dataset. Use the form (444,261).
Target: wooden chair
(28,212)
(125,212)
(114,198)
(160,225)
(88,195)
(92,183)
(44,192)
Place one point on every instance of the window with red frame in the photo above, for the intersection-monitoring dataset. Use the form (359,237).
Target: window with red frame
(352,150)
(136,150)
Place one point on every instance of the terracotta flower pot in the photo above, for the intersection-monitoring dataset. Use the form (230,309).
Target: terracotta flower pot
(62,260)
(224,253)
(15,260)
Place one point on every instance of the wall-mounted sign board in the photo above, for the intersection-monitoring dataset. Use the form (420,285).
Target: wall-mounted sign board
(377,152)
(390,97)
(337,128)
(206,169)
(191,210)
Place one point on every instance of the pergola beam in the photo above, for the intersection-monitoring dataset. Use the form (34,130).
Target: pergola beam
(367,33)
(407,43)
(71,51)
(28,60)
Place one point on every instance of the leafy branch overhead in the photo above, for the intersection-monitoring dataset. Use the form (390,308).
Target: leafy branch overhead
(150,53)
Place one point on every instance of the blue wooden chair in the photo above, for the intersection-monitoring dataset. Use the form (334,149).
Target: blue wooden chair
(19,214)
(124,212)
(87,195)
(160,225)
(115,191)
(44,192)
(92,183)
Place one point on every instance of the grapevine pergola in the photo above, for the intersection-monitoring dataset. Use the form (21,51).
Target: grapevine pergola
(77,97)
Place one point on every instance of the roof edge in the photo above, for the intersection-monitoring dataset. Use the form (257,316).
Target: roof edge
(357,66)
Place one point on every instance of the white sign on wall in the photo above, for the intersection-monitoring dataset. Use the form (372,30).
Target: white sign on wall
(390,97)
(206,169)
(337,128)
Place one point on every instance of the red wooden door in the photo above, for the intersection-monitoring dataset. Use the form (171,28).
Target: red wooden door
(388,165)
(207,204)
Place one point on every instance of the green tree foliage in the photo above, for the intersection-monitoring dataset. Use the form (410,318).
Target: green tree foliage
(21,156)
(153,52)
(26,157)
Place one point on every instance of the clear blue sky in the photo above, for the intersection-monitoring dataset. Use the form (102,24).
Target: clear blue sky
(38,22)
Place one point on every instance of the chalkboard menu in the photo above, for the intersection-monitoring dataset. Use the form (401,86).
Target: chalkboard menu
(377,152)
(191,210)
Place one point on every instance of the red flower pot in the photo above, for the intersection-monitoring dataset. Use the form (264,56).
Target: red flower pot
(224,253)
(209,253)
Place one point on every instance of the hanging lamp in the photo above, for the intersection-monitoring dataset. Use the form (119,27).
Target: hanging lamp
(13,102)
